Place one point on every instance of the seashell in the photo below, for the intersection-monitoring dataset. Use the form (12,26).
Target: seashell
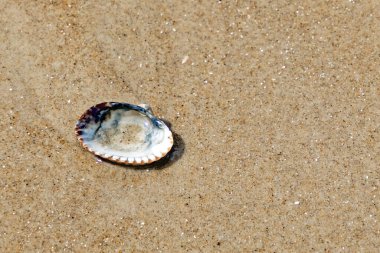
(124,133)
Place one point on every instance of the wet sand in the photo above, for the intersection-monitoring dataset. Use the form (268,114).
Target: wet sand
(275,107)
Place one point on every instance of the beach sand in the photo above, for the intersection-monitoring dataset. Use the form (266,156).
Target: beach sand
(275,106)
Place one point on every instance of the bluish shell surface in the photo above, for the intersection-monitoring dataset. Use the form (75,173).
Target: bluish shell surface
(124,133)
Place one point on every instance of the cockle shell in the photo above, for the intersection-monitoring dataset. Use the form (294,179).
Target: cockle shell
(124,133)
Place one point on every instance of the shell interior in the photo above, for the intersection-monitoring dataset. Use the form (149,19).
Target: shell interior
(124,133)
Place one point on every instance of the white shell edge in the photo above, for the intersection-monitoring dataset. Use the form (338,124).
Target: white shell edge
(159,152)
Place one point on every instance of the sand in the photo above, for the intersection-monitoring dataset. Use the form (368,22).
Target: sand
(275,106)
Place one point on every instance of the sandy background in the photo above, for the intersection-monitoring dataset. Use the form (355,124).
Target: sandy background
(276,105)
